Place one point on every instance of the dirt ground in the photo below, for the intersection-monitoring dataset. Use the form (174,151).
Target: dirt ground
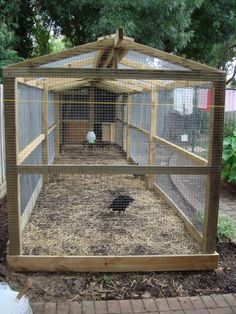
(98,286)
(72,215)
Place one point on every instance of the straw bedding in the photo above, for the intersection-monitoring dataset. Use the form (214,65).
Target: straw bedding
(72,215)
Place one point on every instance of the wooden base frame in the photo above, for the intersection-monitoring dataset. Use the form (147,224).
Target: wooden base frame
(113,263)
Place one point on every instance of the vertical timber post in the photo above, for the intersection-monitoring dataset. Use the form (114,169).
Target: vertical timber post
(152,144)
(57,129)
(91,108)
(125,122)
(214,160)
(128,140)
(44,110)
(12,177)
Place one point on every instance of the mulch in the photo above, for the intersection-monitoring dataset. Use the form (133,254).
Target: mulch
(94,286)
(3,227)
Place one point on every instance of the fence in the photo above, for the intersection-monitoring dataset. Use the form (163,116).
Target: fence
(2,147)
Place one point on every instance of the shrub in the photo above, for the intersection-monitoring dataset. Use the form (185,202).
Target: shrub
(226,228)
(228,170)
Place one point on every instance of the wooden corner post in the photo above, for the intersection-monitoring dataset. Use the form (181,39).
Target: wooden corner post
(12,177)
(129,129)
(215,158)
(152,143)
(44,111)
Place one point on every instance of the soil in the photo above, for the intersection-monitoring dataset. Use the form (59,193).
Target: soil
(94,286)
(100,286)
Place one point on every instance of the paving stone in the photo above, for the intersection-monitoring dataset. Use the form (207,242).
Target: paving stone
(138,306)
(172,312)
(197,303)
(149,305)
(37,307)
(199,311)
(230,299)
(174,303)
(219,300)
(209,301)
(162,305)
(75,308)
(222,310)
(125,306)
(88,307)
(62,308)
(186,303)
(50,308)
(113,306)
(100,307)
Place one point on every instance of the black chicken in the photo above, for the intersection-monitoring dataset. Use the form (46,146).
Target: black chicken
(121,202)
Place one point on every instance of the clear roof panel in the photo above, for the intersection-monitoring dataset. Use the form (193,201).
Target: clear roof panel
(152,62)
(123,66)
(63,62)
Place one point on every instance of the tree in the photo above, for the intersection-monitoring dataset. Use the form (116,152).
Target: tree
(214,33)
(162,24)
(8,13)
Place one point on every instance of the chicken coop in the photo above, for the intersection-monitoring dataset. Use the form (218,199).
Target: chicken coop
(113,158)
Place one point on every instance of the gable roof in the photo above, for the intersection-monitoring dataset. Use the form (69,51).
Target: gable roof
(114,51)
(105,48)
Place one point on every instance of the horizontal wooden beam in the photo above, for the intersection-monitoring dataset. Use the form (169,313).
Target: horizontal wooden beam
(30,148)
(100,73)
(117,89)
(34,82)
(124,85)
(52,128)
(114,170)
(197,159)
(52,57)
(113,263)
(69,85)
(139,129)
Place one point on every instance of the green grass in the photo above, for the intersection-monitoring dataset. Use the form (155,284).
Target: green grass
(226,228)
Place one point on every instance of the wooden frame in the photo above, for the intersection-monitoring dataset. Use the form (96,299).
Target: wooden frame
(112,263)
(152,147)
(105,73)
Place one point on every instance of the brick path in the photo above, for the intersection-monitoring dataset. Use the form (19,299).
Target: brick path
(228,204)
(217,304)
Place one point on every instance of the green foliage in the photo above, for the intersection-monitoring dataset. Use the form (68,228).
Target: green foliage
(203,30)
(229,126)
(214,29)
(163,24)
(229,157)
(8,13)
(225,227)
(106,279)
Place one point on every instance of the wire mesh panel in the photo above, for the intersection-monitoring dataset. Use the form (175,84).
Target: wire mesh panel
(112,143)
(96,215)
(183,117)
